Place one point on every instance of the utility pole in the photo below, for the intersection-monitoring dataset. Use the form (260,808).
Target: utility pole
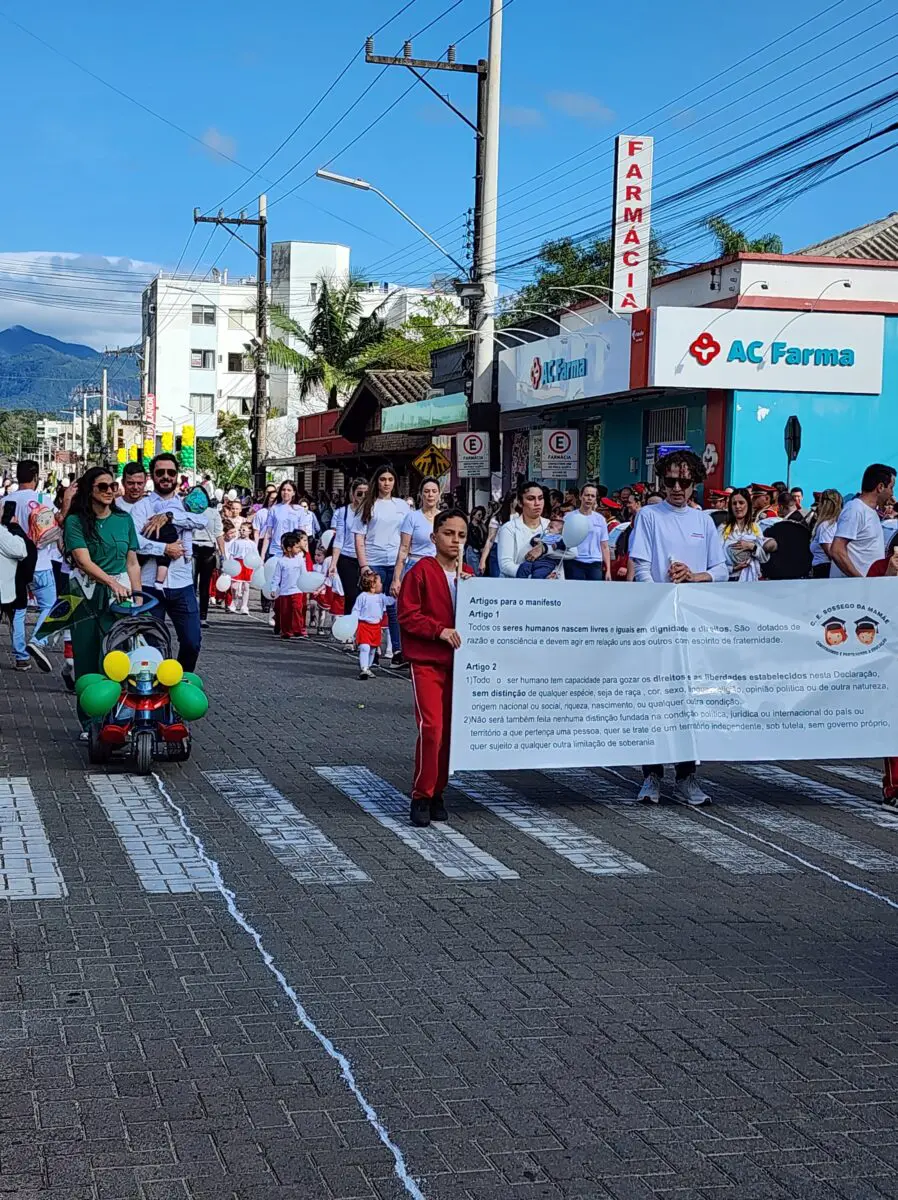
(84,425)
(259,423)
(104,420)
(479,292)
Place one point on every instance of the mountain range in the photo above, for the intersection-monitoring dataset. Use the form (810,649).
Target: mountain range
(39,372)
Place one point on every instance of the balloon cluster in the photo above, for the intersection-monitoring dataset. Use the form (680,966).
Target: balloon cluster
(263,576)
(100,694)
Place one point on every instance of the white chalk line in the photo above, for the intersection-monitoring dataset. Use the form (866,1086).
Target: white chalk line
(855,887)
(402,1170)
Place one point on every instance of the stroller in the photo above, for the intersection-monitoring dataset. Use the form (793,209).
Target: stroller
(143,727)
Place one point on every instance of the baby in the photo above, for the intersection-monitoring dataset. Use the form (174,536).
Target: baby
(547,549)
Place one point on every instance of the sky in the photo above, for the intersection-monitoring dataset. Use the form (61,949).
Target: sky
(100,193)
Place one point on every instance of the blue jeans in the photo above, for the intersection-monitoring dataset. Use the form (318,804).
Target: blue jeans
(492,563)
(592,571)
(386,578)
(181,607)
(472,559)
(43,587)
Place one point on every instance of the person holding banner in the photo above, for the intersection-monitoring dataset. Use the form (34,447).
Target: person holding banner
(426,611)
(675,543)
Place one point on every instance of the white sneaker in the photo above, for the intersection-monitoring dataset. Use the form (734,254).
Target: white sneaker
(271,621)
(650,792)
(688,789)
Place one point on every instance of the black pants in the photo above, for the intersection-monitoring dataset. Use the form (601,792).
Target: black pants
(205,565)
(821,571)
(348,570)
(682,770)
(265,602)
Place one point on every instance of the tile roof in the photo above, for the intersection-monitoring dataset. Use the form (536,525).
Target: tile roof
(879,239)
(397,387)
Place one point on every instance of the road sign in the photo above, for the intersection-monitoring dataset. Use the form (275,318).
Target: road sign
(472,454)
(792,438)
(432,461)
(561,452)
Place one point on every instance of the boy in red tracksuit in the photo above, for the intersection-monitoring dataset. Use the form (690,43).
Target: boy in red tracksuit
(429,640)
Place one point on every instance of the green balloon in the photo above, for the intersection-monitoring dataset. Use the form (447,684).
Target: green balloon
(84,681)
(100,698)
(192,678)
(188,701)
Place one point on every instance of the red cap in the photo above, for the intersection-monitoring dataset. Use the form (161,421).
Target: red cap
(639,487)
(611,504)
(761,487)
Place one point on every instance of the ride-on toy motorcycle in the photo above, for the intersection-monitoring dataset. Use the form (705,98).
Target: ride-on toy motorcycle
(139,705)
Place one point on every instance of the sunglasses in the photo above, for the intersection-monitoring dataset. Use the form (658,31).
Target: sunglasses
(672,481)
(104,487)
(162,471)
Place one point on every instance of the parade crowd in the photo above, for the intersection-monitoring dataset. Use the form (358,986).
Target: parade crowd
(392,564)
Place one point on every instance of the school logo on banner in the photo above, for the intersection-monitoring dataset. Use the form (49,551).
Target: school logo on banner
(851,629)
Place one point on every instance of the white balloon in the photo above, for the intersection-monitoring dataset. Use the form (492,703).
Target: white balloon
(252,560)
(219,494)
(145,658)
(258,580)
(344,628)
(270,567)
(232,494)
(312,581)
(326,538)
(223,583)
(229,567)
(576,529)
(267,592)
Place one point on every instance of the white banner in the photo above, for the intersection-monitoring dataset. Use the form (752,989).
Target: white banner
(632,223)
(579,674)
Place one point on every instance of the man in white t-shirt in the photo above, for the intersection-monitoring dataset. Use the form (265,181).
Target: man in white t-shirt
(859,540)
(43,582)
(672,542)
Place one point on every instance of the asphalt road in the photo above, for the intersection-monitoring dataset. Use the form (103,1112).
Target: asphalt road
(563,995)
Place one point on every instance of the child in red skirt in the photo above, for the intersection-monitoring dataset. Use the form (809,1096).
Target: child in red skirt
(371,609)
(289,598)
(429,642)
(238,550)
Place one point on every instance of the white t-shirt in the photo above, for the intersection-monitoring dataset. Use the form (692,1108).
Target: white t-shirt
(22,500)
(239,548)
(860,524)
(382,531)
(371,606)
(287,574)
(420,528)
(344,538)
(687,535)
(452,580)
(260,520)
(824,532)
(590,549)
(284,518)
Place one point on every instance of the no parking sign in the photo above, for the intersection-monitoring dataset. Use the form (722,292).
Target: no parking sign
(472,452)
(561,454)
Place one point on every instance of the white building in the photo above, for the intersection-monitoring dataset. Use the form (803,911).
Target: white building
(198,367)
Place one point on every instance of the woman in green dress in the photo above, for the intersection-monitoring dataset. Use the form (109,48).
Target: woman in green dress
(102,543)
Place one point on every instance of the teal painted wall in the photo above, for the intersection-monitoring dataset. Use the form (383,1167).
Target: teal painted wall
(623,436)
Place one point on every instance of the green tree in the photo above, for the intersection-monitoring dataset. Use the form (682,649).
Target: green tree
(226,457)
(733,241)
(564,266)
(339,344)
(409,347)
(18,432)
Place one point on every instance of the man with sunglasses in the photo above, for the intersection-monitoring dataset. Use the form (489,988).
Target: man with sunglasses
(178,597)
(675,543)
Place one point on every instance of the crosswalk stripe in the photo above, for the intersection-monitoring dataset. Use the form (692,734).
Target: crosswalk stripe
(808,833)
(583,850)
(164,858)
(690,834)
(865,775)
(299,845)
(453,855)
(28,867)
(885,818)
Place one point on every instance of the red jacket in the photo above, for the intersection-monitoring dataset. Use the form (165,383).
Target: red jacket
(425,609)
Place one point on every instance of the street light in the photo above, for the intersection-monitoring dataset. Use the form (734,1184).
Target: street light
(364,186)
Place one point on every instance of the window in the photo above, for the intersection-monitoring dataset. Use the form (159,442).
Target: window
(239,363)
(313,293)
(241,319)
(203,314)
(202,402)
(202,360)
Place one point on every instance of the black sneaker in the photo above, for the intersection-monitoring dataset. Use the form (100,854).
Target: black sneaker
(204,624)
(398,662)
(37,653)
(438,809)
(22,664)
(68,679)
(420,814)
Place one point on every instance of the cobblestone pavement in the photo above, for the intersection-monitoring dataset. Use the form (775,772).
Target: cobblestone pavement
(562,996)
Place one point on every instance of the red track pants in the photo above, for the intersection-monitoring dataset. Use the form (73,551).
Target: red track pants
(291,614)
(432,689)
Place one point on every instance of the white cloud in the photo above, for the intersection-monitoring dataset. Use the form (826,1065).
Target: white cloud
(580,105)
(218,143)
(520,117)
(89,298)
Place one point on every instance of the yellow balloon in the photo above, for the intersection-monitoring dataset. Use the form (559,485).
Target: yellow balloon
(117,665)
(169,672)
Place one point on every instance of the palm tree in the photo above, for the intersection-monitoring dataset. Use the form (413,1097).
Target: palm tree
(734,241)
(340,342)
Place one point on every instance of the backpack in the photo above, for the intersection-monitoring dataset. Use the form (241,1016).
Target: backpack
(43,528)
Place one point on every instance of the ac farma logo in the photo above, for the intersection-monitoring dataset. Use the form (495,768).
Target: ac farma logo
(706,348)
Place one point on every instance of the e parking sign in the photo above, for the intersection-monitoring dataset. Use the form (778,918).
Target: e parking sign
(472,452)
(561,454)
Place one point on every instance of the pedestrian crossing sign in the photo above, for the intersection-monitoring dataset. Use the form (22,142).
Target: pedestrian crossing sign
(432,461)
